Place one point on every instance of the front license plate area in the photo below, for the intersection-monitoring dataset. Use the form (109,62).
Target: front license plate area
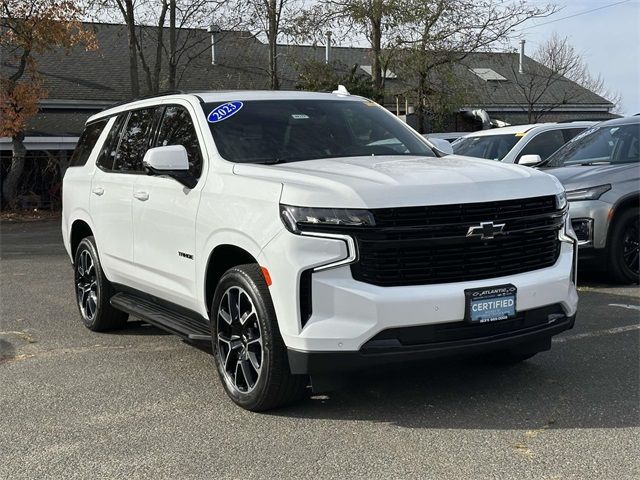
(490,304)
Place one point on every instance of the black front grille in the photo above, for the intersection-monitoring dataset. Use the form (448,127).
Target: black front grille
(428,245)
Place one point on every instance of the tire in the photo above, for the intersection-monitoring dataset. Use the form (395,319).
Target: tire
(93,290)
(623,248)
(250,355)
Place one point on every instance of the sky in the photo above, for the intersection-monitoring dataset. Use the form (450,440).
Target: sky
(609,40)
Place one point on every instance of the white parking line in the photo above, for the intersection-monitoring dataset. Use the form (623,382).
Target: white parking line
(621,305)
(597,333)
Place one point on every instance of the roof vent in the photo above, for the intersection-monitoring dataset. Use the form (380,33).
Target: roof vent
(214,30)
(488,75)
(327,48)
(342,90)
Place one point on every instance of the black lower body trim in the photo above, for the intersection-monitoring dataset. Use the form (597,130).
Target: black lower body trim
(537,338)
(176,320)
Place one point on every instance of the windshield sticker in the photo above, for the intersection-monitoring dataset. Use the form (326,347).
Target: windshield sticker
(300,116)
(224,111)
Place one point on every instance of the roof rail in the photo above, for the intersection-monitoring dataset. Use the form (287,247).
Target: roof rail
(144,97)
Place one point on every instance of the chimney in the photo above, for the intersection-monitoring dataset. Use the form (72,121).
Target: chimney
(327,47)
(521,66)
(213,30)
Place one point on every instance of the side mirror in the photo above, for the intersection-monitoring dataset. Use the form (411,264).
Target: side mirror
(171,161)
(442,145)
(530,160)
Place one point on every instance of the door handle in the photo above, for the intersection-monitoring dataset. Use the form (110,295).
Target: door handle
(98,191)
(142,196)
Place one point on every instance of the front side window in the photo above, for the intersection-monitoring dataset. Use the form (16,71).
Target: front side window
(274,131)
(134,141)
(86,142)
(176,128)
(492,147)
(543,144)
(600,146)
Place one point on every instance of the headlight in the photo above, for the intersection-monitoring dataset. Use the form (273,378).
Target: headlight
(561,200)
(591,193)
(296,218)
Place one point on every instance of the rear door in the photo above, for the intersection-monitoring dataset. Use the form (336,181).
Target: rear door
(164,216)
(112,192)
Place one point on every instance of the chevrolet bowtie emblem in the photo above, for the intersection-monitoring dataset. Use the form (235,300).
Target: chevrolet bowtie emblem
(486,230)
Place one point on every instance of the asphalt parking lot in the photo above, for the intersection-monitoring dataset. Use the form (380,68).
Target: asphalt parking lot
(142,404)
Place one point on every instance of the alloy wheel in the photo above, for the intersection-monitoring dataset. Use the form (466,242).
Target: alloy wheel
(87,286)
(240,349)
(631,246)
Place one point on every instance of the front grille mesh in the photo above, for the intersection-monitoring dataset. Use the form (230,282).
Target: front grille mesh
(428,245)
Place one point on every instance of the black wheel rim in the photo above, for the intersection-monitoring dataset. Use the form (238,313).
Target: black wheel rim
(240,351)
(631,246)
(87,285)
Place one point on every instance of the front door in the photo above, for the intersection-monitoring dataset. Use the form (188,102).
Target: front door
(164,217)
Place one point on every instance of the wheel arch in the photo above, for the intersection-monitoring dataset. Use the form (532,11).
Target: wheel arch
(79,229)
(222,258)
(628,201)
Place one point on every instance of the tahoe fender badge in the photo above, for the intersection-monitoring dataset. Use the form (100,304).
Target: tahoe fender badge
(185,255)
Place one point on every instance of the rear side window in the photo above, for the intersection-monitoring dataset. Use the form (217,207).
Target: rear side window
(543,144)
(108,152)
(492,147)
(134,141)
(177,129)
(86,143)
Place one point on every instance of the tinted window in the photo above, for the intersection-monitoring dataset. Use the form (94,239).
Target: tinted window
(177,129)
(134,141)
(600,145)
(108,152)
(271,131)
(569,133)
(492,147)
(543,144)
(86,142)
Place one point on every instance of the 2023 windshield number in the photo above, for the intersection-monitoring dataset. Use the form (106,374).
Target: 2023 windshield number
(224,111)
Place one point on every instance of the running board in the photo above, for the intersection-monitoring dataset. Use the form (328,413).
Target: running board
(162,317)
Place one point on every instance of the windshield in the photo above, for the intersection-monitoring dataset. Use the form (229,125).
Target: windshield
(492,147)
(600,146)
(274,131)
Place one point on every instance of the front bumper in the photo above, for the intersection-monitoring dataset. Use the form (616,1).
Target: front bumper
(531,332)
(593,216)
(346,314)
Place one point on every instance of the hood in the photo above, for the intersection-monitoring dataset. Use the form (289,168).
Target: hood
(395,181)
(593,175)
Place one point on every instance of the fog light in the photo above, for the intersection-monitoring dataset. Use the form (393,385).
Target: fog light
(584,230)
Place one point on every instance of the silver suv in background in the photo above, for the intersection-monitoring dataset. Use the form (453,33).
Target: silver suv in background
(523,144)
(600,170)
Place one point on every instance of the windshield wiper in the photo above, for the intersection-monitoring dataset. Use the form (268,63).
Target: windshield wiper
(595,162)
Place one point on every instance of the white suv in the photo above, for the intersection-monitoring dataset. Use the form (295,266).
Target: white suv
(307,235)
(524,144)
